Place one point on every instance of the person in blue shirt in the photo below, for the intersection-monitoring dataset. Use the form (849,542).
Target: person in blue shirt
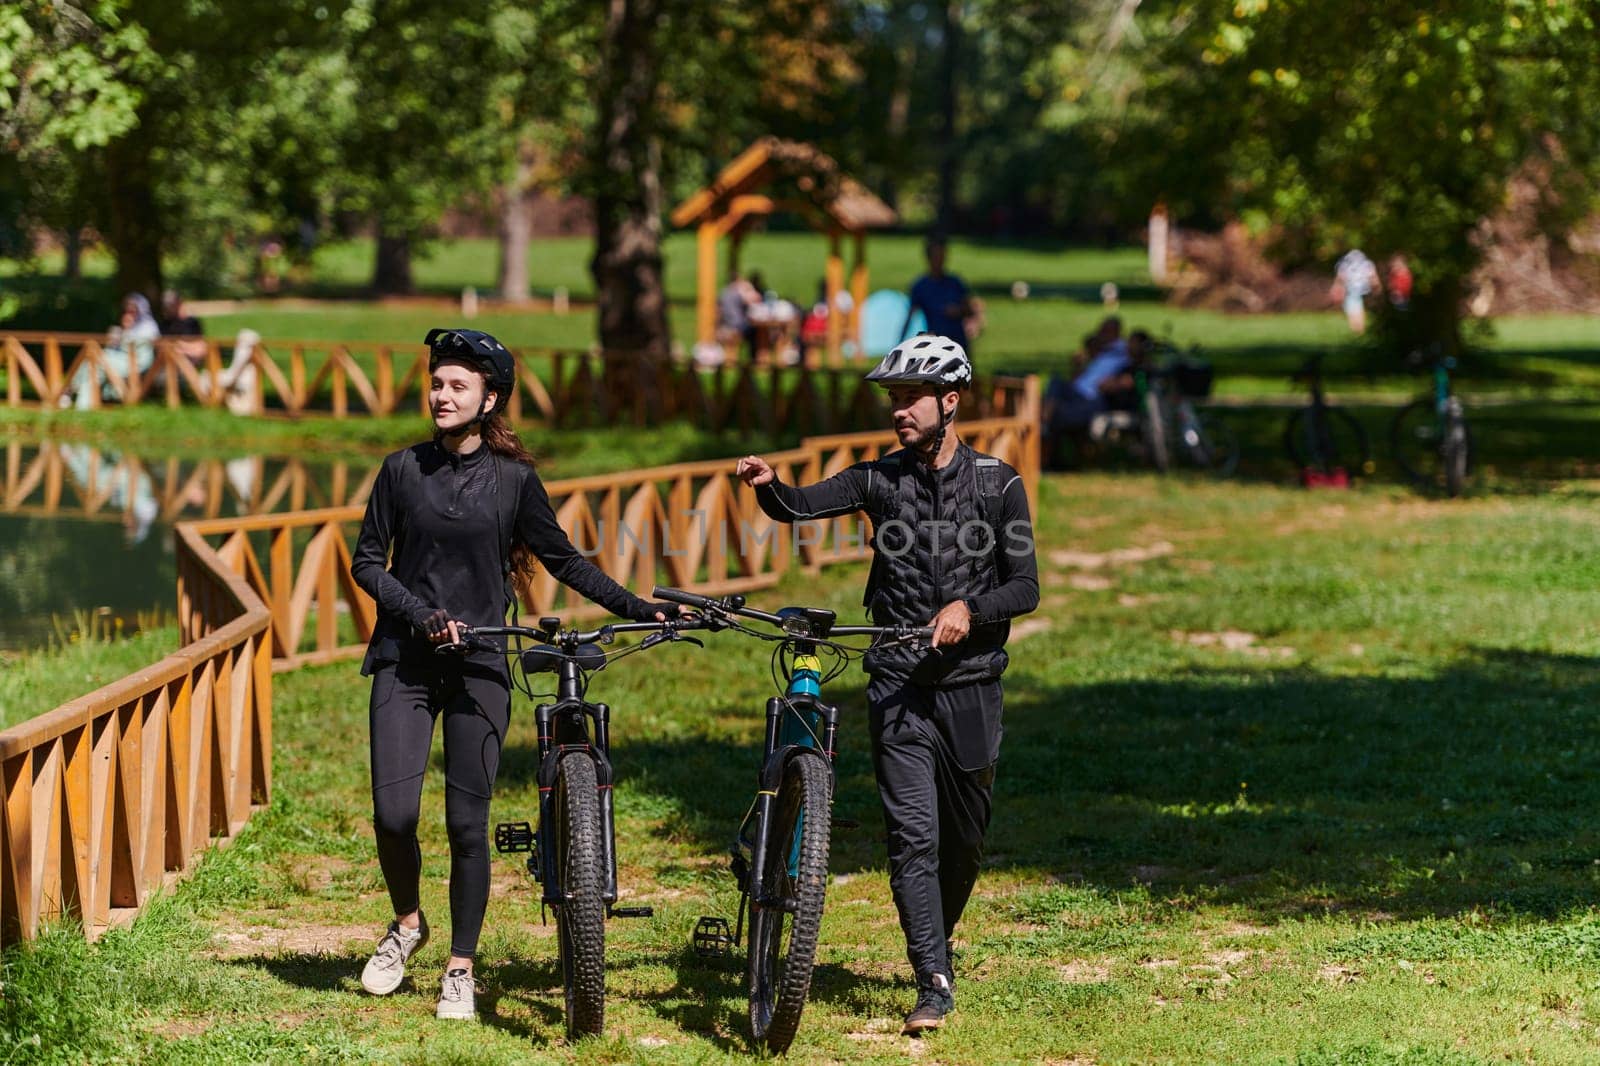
(944,299)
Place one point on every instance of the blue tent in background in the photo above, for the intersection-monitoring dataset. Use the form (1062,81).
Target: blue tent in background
(883,322)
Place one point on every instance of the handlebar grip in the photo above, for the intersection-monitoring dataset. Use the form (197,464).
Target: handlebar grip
(687,599)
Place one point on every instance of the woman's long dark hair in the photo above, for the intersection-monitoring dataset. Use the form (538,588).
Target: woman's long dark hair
(502,440)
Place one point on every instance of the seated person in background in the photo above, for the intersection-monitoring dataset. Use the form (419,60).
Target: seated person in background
(733,313)
(186,331)
(1121,392)
(129,350)
(1074,404)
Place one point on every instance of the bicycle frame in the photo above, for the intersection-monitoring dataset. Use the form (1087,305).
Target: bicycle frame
(792,721)
(563,729)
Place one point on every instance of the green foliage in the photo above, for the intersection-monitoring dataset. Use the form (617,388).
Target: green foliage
(1394,127)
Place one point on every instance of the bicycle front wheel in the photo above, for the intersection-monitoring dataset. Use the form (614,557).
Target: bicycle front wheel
(786,908)
(1326,439)
(581,917)
(1153,427)
(1211,443)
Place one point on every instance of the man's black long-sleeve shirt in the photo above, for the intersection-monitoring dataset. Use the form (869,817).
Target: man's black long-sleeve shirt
(450,520)
(923,580)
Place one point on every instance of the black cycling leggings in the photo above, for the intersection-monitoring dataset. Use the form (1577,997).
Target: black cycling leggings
(476,704)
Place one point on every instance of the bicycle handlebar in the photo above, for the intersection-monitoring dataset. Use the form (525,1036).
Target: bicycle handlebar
(471,636)
(734,604)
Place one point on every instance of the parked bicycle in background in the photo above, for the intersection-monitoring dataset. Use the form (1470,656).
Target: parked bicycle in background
(1429,436)
(1165,423)
(1325,442)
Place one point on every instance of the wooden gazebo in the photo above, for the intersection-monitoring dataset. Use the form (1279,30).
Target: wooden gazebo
(775,175)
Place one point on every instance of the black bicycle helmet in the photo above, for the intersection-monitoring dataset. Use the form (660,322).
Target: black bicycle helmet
(926,359)
(477,349)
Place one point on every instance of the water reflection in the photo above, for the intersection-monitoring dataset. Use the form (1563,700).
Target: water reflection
(85,528)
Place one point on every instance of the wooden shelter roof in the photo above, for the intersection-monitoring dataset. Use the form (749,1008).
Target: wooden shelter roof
(796,173)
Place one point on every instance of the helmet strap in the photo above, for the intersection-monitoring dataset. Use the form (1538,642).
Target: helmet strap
(931,456)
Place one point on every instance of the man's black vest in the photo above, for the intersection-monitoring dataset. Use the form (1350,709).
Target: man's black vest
(936,537)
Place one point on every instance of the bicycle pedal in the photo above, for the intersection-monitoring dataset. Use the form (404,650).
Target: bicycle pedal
(631,912)
(845,823)
(712,938)
(514,836)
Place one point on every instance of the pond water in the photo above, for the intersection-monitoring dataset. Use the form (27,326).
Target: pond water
(86,531)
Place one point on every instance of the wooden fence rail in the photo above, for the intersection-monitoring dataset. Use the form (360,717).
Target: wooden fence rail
(559,388)
(107,795)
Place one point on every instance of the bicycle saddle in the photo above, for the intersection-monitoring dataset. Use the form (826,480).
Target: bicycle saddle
(546,659)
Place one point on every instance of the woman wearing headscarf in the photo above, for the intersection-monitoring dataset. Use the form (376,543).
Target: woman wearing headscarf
(130,349)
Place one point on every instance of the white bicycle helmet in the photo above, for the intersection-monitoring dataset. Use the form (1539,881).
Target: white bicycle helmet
(926,359)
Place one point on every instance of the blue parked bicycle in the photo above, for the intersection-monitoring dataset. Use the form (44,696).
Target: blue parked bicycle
(780,853)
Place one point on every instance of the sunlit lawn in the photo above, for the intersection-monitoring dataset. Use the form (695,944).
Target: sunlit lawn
(1288,777)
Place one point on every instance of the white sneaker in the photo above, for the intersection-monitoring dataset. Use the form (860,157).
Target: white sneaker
(387,967)
(457,997)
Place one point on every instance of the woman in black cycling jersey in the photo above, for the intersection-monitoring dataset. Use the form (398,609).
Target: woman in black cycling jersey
(465,517)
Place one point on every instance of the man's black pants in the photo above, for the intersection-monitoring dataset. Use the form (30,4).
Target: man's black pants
(934,750)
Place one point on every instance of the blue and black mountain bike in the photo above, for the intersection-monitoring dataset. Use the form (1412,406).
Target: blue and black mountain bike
(780,852)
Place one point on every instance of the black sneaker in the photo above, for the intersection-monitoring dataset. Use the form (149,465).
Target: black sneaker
(934,1000)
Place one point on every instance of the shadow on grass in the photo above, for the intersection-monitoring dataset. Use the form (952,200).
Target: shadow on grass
(1517,448)
(1282,791)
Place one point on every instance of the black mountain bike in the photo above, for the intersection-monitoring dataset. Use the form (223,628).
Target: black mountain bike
(1322,437)
(573,853)
(1429,435)
(1172,423)
(780,853)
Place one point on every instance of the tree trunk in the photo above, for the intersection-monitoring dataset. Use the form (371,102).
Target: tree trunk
(948,75)
(391,275)
(626,174)
(72,244)
(133,226)
(516,230)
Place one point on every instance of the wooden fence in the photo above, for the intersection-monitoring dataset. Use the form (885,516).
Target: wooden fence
(559,388)
(103,797)
(106,796)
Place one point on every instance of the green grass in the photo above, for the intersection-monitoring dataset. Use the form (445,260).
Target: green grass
(33,683)
(1312,783)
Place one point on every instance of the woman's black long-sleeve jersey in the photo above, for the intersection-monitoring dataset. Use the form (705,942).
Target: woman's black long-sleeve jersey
(451,520)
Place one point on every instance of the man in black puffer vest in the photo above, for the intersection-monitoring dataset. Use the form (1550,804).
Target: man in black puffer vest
(952,549)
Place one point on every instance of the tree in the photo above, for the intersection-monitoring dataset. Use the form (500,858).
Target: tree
(1393,126)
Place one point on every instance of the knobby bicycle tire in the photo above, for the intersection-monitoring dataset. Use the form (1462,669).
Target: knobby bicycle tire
(1341,442)
(783,944)
(581,918)
(1457,455)
(1153,427)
